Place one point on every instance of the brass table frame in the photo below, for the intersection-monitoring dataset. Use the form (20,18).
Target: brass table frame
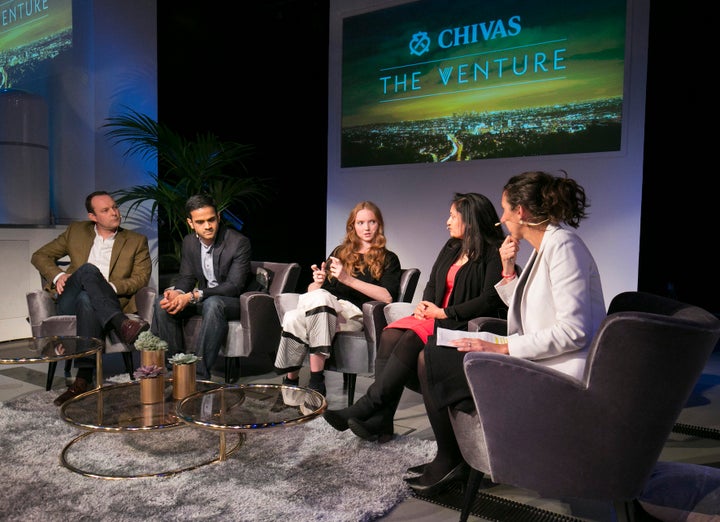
(132,424)
(10,355)
(231,414)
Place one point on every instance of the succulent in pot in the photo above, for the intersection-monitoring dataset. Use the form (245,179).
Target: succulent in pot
(149,341)
(148,372)
(184,358)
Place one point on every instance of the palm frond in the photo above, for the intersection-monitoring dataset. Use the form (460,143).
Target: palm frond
(205,164)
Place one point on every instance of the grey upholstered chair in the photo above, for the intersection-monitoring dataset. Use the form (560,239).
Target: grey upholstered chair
(354,352)
(596,438)
(257,333)
(44,322)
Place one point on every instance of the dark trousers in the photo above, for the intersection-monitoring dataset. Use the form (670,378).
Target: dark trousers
(216,311)
(90,298)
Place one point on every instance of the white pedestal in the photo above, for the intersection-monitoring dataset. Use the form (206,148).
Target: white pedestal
(24,159)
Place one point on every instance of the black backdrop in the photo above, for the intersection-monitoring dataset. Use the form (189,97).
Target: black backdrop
(260,77)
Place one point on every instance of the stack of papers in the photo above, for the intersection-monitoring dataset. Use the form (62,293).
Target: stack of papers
(444,336)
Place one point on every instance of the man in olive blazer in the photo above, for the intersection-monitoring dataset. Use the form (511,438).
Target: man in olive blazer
(108,265)
(130,264)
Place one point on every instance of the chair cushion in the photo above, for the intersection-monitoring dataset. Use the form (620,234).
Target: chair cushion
(395,311)
(679,491)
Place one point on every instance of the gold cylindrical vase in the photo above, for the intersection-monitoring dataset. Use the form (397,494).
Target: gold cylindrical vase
(154,414)
(152,390)
(184,380)
(152,357)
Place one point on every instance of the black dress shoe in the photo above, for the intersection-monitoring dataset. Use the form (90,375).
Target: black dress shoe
(417,470)
(336,420)
(458,473)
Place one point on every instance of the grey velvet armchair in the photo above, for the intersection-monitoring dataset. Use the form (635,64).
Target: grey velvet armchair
(354,352)
(257,333)
(598,437)
(45,322)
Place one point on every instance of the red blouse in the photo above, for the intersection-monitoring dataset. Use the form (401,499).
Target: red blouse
(424,327)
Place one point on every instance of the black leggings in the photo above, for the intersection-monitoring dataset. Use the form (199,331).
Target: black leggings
(448,451)
(403,344)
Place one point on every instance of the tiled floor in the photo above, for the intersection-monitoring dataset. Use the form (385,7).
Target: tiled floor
(410,420)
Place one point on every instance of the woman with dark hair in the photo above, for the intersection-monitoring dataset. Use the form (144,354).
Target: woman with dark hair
(555,307)
(459,288)
(360,269)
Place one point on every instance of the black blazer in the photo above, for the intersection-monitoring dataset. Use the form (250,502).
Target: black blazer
(231,264)
(473,294)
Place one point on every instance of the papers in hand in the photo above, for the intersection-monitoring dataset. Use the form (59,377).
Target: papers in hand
(444,336)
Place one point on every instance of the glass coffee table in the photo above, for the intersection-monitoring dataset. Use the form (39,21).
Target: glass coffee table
(52,349)
(245,408)
(116,408)
(226,409)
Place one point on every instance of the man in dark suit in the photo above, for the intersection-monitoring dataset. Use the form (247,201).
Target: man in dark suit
(214,270)
(108,265)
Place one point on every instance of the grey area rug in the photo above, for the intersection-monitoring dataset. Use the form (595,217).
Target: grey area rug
(301,473)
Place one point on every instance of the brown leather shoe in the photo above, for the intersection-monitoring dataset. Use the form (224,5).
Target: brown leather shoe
(131,328)
(79,386)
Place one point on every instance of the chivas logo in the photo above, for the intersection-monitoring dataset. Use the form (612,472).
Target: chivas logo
(466,35)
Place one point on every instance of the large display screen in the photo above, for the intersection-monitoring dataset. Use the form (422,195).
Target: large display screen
(437,81)
(31,32)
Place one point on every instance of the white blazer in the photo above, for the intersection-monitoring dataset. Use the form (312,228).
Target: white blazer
(557,303)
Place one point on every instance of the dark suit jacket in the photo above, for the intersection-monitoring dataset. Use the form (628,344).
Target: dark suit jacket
(130,263)
(231,264)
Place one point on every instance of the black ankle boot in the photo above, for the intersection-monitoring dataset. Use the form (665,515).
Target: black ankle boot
(379,427)
(361,409)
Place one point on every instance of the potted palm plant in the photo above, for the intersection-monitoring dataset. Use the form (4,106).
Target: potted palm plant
(205,164)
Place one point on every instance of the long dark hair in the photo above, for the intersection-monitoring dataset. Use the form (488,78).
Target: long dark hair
(479,215)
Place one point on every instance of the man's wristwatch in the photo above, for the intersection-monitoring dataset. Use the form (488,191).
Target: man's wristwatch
(193,300)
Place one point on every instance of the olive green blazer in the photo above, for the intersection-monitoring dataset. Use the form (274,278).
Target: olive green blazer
(130,263)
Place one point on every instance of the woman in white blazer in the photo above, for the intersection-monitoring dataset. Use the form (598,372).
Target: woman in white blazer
(555,307)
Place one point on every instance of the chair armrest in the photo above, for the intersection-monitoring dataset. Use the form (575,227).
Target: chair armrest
(145,302)
(549,401)
(257,310)
(488,324)
(373,322)
(40,306)
(260,325)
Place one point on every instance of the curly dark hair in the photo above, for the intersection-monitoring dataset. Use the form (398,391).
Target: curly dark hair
(548,198)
